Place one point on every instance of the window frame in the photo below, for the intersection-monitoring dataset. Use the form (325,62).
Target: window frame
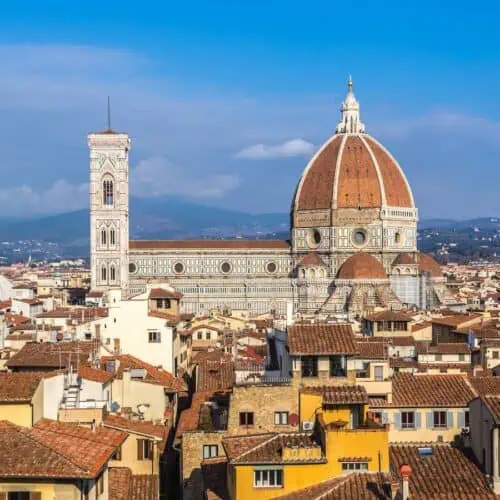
(334,368)
(348,467)
(244,418)
(154,337)
(108,192)
(263,477)
(439,414)
(307,370)
(210,448)
(278,417)
(408,425)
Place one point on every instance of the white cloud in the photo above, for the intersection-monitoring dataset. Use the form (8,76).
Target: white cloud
(294,147)
(61,196)
(156,176)
(445,122)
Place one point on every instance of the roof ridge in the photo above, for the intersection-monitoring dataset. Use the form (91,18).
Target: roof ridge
(267,441)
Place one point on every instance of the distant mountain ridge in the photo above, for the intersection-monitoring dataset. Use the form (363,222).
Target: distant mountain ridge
(176,218)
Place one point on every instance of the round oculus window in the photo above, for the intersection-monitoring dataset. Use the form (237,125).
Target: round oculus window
(313,238)
(271,267)
(225,267)
(179,267)
(132,268)
(359,237)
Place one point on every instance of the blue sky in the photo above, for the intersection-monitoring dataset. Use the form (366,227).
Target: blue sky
(226,101)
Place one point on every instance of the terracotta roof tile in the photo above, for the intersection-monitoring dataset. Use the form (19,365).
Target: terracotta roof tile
(18,387)
(371,350)
(321,339)
(442,348)
(154,375)
(424,390)
(48,355)
(214,375)
(53,449)
(162,293)
(339,394)
(456,320)
(445,474)
(312,259)
(404,259)
(492,402)
(427,264)
(361,266)
(268,448)
(94,374)
(354,486)
(388,316)
(147,428)
(486,385)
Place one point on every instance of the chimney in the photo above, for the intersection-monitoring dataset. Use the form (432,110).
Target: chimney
(405,472)
(93,425)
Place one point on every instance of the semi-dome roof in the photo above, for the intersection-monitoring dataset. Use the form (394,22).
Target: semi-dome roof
(352,170)
(425,263)
(361,266)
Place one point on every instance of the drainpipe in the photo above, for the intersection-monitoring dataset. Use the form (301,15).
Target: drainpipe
(495,471)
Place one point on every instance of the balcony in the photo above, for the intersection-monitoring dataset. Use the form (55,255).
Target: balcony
(83,412)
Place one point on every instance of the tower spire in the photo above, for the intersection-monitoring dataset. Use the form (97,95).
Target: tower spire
(350,122)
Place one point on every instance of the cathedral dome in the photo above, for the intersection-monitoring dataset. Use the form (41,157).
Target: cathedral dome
(361,266)
(352,170)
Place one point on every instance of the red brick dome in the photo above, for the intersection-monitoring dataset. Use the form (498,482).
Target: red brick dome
(352,171)
(361,266)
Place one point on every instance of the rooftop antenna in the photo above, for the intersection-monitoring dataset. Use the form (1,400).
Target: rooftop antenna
(109,114)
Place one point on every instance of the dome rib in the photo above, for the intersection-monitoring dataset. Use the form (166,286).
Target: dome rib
(398,195)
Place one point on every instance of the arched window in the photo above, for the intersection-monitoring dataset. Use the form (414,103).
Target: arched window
(112,238)
(103,236)
(104,274)
(112,273)
(107,192)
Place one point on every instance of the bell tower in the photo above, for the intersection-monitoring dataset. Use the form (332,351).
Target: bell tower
(109,204)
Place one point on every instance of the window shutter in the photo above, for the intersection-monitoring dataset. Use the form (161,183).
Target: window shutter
(140,449)
(397,420)
(385,417)
(35,495)
(430,420)
(418,420)
(461,418)
(449,419)
(150,450)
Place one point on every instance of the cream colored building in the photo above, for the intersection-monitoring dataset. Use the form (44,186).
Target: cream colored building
(352,243)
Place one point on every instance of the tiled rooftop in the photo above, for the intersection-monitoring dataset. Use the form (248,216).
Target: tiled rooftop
(135,426)
(18,387)
(446,474)
(431,390)
(48,355)
(339,395)
(320,339)
(268,448)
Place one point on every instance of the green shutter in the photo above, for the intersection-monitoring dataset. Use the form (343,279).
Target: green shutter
(418,420)
(397,420)
(430,419)
(461,418)
(449,419)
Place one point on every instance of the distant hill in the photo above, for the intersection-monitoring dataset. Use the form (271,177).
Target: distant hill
(152,218)
(175,218)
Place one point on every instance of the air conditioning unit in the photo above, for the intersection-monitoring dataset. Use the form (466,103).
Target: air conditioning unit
(307,426)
